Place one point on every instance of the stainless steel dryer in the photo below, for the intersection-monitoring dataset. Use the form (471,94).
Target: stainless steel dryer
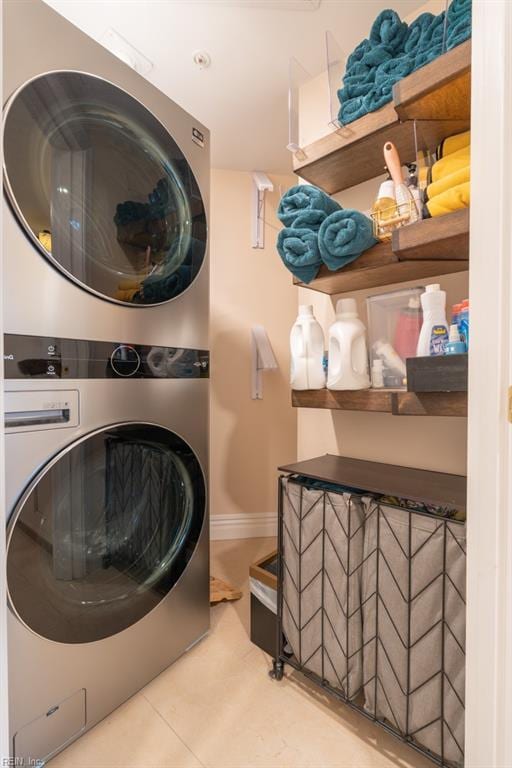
(107,184)
(107,529)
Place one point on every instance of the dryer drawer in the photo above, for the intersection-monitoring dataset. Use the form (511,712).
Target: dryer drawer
(28,411)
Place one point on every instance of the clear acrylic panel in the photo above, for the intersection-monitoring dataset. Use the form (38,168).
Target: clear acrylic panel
(336,65)
(297,76)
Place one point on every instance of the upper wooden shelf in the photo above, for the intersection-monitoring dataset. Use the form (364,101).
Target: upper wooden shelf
(418,251)
(439,91)
(437,95)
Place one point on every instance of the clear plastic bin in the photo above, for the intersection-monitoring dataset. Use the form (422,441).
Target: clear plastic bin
(394,325)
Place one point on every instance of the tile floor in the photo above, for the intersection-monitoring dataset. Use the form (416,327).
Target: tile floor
(216,707)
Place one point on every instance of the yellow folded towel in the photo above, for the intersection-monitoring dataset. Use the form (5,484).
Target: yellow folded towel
(447,182)
(451,200)
(453,143)
(451,163)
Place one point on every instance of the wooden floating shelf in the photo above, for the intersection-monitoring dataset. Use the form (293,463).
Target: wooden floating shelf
(438,95)
(437,246)
(442,237)
(397,402)
(439,91)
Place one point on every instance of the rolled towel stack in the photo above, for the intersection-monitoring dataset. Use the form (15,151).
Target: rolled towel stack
(319,231)
(361,93)
(449,189)
(302,210)
(392,51)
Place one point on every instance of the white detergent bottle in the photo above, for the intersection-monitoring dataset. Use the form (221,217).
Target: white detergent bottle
(348,354)
(307,351)
(434,331)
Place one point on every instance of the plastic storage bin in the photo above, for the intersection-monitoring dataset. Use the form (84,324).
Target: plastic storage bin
(394,325)
(263,586)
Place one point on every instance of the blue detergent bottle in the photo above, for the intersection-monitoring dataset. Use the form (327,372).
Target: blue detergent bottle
(454,346)
(464,323)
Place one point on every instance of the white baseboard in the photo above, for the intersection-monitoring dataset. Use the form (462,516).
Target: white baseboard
(250,526)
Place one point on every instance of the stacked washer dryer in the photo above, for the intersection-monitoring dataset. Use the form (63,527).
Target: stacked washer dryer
(106,363)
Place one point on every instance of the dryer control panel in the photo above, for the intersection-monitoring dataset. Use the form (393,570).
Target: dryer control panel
(44,357)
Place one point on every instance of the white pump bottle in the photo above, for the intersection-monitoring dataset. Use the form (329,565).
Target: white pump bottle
(307,351)
(348,354)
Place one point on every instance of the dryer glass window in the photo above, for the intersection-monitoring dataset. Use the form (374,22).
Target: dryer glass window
(102,189)
(103,534)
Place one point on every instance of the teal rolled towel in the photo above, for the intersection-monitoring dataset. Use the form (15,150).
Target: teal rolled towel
(352,110)
(458,33)
(343,237)
(310,219)
(432,36)
(298,249)
(358,53)
(377,55)
(427,56)
(458,26)
(380,95)
(433,45)
(419,33)
(358,81)
(389,30)
(458,9)
(394,69)
(304,197)
(352,91)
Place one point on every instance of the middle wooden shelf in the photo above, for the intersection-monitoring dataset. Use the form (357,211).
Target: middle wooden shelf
(397,402)
(431,247)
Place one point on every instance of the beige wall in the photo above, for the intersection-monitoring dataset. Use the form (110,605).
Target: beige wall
(425,442)
(249,438)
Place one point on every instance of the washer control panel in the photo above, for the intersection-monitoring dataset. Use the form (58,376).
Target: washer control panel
(42,357)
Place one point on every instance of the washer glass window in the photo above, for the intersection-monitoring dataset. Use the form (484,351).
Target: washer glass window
(104,532)
(102,189)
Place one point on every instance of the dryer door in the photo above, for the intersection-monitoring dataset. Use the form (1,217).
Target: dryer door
(103,532)
(102,189)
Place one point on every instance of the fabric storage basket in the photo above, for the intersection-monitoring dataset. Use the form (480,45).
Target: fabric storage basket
(372,607)
(413,600)
(322,546)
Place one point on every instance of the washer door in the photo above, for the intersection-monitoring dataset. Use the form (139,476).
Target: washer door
(102,189)
(104,532)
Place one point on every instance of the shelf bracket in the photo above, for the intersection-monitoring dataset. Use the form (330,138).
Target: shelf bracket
(263,359)
(260,184)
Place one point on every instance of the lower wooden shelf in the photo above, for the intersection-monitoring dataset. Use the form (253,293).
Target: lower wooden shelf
(397,402)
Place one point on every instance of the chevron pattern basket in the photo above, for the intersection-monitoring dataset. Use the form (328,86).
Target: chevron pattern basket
(372,607)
